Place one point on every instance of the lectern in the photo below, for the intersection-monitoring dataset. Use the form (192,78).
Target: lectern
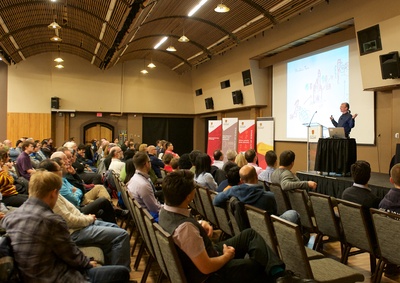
(314,133)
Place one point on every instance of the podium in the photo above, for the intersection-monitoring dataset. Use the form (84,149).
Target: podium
(314,133)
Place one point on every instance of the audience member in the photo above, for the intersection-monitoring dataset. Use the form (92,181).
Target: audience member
(42,245)
(359,192)
(9,192)
(285,177)
(193,155)
(140,186)
(203,172)
(251,157)
(251,192)
(201,259)
(167,157)
(128,172)
(116,156)
(218,159)
(240,160)
(226,170)
(391,201)
(169,148)
(184,162)
(24,164)
(156,164)
(230,156)
(233,177)
(175,163)
(271,159)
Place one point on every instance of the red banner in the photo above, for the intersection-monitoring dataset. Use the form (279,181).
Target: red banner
(246,135)
(214,136)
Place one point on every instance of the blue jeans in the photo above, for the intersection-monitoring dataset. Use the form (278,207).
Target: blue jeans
(113,240)
(109,274)
(291,216)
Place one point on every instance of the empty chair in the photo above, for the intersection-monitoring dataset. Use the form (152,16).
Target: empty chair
(222,217)
(281,198)
(295,258)
(327,221)
(299,201)
(207,205)
(387,227)
(170,255)
(358,231)
(261,222)
(199,204)
(149,220)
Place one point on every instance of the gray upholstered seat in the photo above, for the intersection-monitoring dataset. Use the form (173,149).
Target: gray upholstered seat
(222,217)
(207,205)
(281,198)
(295,258)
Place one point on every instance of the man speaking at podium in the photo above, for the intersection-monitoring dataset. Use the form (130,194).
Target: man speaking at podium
(346,120)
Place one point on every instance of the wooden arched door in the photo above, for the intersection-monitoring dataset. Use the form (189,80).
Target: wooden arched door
(98,131)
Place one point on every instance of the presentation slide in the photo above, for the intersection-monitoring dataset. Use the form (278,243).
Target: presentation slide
(309,89)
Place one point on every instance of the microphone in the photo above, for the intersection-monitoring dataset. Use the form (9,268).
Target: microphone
(309,124)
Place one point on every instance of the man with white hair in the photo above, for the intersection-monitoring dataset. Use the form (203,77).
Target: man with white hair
(116,155)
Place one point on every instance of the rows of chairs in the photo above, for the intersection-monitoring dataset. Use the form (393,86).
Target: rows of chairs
(358,230)
(283,237)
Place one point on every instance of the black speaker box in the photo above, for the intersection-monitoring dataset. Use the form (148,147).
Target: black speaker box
(199,92)
(55,102)
(390,65)
(246,77)
(237,97)
(209,103)
(225,84)
(369,40)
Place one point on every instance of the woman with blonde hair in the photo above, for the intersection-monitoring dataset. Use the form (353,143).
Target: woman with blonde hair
(240,160)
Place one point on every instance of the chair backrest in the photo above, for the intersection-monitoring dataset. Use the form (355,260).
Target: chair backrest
(291,246)
(261,222)
(356,231)
(170,255)
(149,220)
(387,229)
(281,198)
(207,205)
(299,202)
(325,217)
(143,229)
(199,203)
(222,217)
(237,215)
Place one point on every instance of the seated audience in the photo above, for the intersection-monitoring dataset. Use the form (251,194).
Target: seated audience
(203,175)
(175,163)
(240,160)
(140,186)
(251,157)
(230,156)
(156,163)
(286,178)
(167,162)
(201,259)
(116,156)
(24,164)
(218,159)
(251,192)
(42,245)
(184,162)
(9,192)
(193,155)
(225,183)
(391,201)
(359,192)
(271,159)
(169,148)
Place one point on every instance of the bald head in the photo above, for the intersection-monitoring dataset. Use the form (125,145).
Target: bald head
(248,174)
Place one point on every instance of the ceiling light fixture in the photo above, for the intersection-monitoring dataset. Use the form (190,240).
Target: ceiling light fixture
(59,66)
(183,38)
(59,60)
(196,8)
(56,39)
(164,39)
(144,71)
(151,65)
(171,48)
(279,5)
(221,8)
(54,25)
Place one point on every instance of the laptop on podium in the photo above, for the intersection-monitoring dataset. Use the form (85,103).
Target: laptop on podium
(337,133)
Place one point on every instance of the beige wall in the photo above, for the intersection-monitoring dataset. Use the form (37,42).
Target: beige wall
(84,88)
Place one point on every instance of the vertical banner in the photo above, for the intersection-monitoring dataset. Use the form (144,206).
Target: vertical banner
(229,135)
(214,136)
(246,135)
(265,139)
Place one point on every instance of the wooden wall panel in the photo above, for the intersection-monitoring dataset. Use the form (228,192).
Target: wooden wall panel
(35,125)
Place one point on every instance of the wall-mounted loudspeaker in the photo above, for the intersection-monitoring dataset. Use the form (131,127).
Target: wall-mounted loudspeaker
(369,40)
(199,92)
(225,84)
(246,77)
(55,102)
(237,97)
(390,65)
(209,103)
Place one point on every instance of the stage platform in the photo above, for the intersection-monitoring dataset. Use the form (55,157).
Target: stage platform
(334,186)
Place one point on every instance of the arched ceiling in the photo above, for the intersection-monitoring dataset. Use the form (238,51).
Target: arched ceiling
(107,32)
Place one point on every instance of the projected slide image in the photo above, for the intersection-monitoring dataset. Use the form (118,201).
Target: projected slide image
(317,84)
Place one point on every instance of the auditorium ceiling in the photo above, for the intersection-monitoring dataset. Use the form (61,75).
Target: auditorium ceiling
(108,32)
